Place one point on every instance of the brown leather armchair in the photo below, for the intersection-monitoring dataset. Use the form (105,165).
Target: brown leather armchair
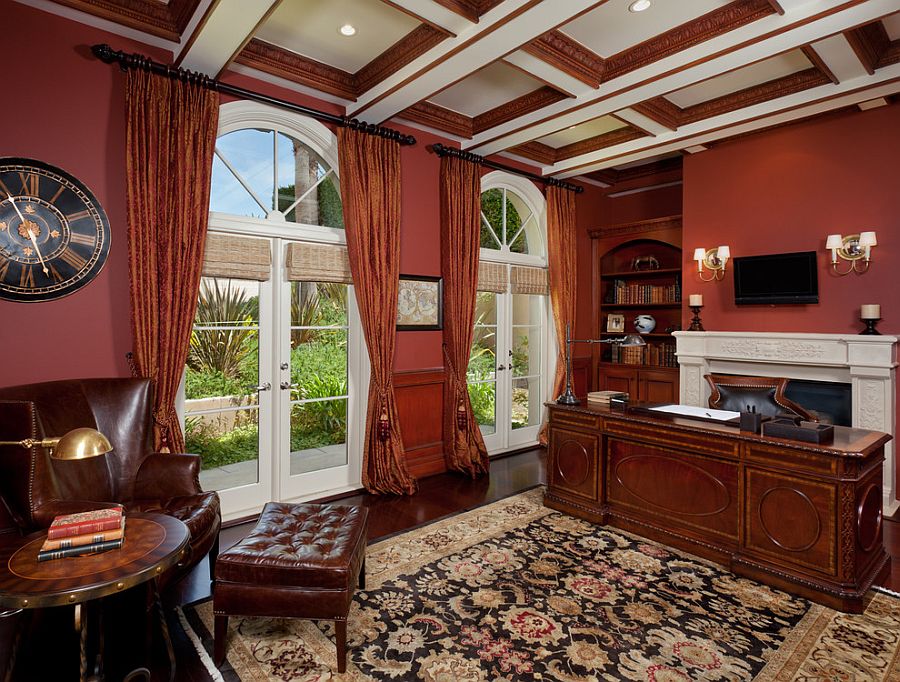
(35,488)
(765,394)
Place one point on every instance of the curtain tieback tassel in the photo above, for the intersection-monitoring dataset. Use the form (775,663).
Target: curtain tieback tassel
(384,426)
(462,419)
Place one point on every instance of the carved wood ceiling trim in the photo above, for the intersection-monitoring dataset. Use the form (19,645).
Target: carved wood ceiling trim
(660,110)
(672,222)
(439,118)
(611,176)
(464,8)
(699,30)
(411,46)
(891,55)
(592,144)
(868,43)
(779,87)
(164,20)
(569,56)
(530,101)
(536,151)
(777,6)
(277,61)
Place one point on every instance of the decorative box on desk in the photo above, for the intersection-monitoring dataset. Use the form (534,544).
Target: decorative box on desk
(808,432)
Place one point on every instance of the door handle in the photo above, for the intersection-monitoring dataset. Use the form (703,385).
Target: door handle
(501,368)
(263,387)
(285,385)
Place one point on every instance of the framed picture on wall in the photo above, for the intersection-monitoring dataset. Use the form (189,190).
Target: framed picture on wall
(420,303)
(615,323)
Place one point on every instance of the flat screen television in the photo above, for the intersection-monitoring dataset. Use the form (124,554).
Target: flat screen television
(778,278)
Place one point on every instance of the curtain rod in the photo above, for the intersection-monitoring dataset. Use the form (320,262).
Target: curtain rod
(443,150)
(138,61)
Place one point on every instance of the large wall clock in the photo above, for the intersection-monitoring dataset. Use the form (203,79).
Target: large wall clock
(54,235)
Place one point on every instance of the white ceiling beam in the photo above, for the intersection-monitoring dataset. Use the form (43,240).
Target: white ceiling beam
(641,122)
(547,73)
(839,57)
(794,5)
(781,110)
(498,32)
(759,40)
(227,27)
(434,13)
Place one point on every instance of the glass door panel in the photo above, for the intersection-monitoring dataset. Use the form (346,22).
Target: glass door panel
(482,370)
(526,358)
(318,394)
(225,395)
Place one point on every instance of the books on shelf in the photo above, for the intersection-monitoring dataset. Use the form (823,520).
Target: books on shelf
(82,523)
(628,294)
(653,354)
(85,539)
(93,548)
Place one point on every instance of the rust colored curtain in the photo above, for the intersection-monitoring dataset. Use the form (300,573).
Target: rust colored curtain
(460,195)
(561,253)
(370,192)
(171,135)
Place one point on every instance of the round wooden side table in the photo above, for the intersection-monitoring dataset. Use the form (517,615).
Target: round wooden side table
(153,543)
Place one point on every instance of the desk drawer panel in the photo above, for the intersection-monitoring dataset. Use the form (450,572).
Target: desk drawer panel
(692,492)
(795,460)
(711,444)
(578,420)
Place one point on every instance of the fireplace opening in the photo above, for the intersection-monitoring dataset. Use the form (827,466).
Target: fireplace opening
(831,401)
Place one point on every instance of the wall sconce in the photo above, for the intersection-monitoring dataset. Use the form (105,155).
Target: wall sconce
(856,248)
(714,260)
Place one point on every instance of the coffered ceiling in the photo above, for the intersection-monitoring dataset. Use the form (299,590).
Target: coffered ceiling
(575,87)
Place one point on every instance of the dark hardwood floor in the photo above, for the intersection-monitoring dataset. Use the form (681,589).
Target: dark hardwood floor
(438,497)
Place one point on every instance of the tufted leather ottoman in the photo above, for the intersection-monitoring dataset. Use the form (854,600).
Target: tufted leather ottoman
(300,561)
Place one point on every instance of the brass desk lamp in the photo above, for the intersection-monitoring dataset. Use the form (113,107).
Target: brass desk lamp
(80,443)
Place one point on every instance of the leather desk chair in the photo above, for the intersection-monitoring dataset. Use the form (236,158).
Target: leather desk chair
(35,488)
(766,394)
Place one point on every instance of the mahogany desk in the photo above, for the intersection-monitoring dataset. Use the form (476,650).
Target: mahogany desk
(802,517)
(153,543)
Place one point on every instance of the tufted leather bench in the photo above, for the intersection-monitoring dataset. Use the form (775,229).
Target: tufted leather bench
(300,561)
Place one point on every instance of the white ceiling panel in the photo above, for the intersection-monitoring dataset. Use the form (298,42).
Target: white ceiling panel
(310,28)
(482,91)
(754,74)
(892,25)
(598,126)
(611,28)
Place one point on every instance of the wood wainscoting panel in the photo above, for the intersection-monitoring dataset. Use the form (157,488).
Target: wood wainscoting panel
(420,403)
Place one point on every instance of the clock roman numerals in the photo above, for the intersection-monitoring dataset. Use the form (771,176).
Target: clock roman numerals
(31,184)
(85,239)
(54,273)
(26,277)
(4,190)
(60,190)
(72,217)
(73,259)
(4,267)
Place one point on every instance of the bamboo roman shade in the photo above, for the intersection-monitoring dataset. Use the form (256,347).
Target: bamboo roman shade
(527,280)
(237,257)
(492,277)
(306,262)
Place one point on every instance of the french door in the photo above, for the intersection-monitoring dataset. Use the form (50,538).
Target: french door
(282,421)
(507,368)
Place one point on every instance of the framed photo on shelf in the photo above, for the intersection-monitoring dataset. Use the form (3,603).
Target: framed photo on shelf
(615,323)
(420,303)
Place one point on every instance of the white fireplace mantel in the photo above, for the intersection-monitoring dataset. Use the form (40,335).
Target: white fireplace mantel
(867,363)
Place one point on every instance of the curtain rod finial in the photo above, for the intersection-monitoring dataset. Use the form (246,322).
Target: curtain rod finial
(103,52)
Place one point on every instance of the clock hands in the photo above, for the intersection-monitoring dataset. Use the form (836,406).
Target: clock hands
(30,234)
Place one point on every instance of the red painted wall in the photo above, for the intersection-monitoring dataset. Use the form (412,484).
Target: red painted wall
(785,190)
(66,108)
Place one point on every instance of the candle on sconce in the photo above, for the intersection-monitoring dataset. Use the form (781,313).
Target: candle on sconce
(869,311)
(696,301)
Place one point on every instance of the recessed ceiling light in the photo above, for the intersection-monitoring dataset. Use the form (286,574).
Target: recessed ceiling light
(347,30)
(639,5)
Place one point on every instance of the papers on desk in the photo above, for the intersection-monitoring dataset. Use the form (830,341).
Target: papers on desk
(698,412)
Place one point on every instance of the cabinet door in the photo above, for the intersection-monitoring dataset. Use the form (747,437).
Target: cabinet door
(619,379)
(656,386)
(572,464)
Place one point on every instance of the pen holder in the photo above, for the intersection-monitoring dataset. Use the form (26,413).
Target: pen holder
(751,421)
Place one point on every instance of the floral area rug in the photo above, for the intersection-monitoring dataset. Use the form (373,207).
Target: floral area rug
(516,591)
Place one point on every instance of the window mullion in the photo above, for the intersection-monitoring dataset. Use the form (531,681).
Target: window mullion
(306,193)
(241,180)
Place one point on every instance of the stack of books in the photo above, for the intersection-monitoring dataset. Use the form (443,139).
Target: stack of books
(83,533)
(603,397)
